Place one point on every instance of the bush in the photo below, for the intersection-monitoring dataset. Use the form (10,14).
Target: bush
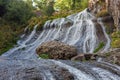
(42,19)
(44,56)
(16,11)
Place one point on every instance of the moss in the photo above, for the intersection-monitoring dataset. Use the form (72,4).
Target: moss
(44,56)
(115,39)
(100,46)
(115,42)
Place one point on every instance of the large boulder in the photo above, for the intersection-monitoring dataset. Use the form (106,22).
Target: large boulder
(57,50)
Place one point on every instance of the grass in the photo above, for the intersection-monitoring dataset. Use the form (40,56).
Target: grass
(100,46)
(44,56)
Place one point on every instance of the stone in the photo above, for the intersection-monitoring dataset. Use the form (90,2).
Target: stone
(113,56)
(82,57)
(57,50)
(114,9)
(111,6)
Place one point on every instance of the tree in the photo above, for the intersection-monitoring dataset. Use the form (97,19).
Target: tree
(45,6)
(50,8)
(70,4)
(63,5)
(15,11)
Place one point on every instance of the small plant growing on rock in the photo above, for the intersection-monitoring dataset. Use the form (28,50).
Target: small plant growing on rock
(115,40)
(100,46)
(44,56)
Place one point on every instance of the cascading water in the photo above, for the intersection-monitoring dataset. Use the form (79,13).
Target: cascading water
(78,30)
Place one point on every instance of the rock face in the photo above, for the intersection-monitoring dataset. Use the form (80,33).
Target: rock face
(96,6)
(114,10)
(57,50)
(113,56)
(85,57)
(112,6)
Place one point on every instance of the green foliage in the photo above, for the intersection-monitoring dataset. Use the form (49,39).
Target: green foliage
(16,11)
(116,34)
(83,4)
(41,20)
(115,39)
(7,37)
(44,56)
(63,5)
(14,14)
(50,9)
(70,4)
(45,6)
(100,46)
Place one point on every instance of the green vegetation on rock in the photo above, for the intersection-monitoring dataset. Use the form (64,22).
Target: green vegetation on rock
(100,46)
(115,39)
(44,56)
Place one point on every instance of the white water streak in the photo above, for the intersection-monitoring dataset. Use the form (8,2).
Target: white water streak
(79,74)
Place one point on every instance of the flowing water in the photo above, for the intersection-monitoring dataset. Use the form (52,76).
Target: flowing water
(79,30)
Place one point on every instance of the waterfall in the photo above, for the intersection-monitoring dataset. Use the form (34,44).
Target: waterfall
(78,30)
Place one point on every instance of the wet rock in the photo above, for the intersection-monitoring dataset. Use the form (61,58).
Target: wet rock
(67,22)
(57,50)
(63,74)
(107,19)
(83,57)
(114,9)
(111,6)
(41,69)
(113,56)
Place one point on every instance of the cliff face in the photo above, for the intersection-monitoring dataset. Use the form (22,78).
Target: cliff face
(97,5)
(112,7)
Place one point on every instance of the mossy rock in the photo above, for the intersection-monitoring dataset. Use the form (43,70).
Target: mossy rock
(100,46)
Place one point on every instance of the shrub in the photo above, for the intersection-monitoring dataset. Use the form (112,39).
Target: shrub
(44,56)
(115,39)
